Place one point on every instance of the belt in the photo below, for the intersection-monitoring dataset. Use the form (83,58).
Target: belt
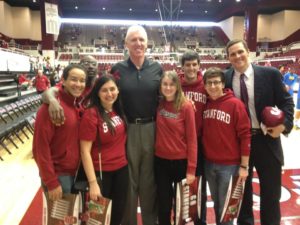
(141,120)
(256,131)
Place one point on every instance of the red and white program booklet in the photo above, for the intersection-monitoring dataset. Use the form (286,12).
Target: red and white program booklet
(188,202)
(99,212)
(61,212)
(233,200)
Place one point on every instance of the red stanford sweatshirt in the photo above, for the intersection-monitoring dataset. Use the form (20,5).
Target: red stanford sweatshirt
(196,92)
(226,130)
(176,136)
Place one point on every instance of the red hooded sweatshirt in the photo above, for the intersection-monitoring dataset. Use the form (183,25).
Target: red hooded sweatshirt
(56,148)
(196,92)
(226,130)
(176,136)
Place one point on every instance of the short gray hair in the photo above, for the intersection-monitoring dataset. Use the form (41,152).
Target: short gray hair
(136,28)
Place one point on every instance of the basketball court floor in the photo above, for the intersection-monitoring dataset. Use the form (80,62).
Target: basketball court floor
(20,195)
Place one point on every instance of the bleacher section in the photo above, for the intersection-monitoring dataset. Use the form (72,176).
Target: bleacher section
(15,119)
(10,90)
(18,104)
(289,59)
(8,86)
(112,37)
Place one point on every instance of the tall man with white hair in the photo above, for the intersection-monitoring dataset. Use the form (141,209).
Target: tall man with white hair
(139,86)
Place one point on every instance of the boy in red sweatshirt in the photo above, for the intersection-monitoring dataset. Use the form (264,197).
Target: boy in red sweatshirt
(226,138)
(193,88)
(56,148)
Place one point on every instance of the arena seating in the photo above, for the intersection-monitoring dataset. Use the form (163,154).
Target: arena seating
(15,118)
(8,85)
(113,36)
(290,59)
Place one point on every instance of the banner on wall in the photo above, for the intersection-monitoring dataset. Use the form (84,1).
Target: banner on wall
(51,17)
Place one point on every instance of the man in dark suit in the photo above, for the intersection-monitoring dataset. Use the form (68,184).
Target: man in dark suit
(264,88)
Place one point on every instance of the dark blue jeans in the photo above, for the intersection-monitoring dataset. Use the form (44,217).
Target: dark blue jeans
(66,182)
(218,177)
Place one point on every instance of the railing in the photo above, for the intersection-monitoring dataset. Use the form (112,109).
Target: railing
(14,50)
(294,45)
(275,59)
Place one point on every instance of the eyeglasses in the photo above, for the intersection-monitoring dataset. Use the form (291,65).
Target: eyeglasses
(87,63)
(211,83)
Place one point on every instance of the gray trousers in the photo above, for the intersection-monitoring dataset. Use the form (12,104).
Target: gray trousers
(142,187)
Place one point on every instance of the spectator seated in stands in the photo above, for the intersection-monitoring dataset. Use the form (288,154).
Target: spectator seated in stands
(24,81)
(268,63)
(3,44)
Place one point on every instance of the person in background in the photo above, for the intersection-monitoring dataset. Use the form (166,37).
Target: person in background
(90,64)
(268,63)
(290,79)
(281,69)
(56,148)
(103,129)
(264,88)
(226,139)
(176,144)
(52,77)
(41,82)
(139,87)
(193,88)
(24,81)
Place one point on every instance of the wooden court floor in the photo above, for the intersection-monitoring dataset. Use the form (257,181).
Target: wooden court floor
(19,183)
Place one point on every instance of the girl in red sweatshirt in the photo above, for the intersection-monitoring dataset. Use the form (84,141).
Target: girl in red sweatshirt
(176,143)
(104,120)
(56,148)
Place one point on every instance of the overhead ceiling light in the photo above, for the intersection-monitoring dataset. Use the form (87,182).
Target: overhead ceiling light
(134,22)
(156,10)
(130,9)
(76,7)
(237,0)
(220,0)
(206,11)
(34,1)
(103,8)
(181,11)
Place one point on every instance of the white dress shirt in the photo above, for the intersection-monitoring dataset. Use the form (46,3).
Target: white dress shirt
(249,80)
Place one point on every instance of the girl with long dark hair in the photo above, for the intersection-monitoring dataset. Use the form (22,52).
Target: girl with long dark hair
(103,128)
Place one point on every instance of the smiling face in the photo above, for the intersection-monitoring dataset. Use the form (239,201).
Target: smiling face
(90,64)
(168,88)
(136,42)
(238,56)
(190,69)
(108,94)
(214,87)
(75,82)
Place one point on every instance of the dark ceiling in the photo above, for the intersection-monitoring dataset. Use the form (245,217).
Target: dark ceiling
(183,10)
